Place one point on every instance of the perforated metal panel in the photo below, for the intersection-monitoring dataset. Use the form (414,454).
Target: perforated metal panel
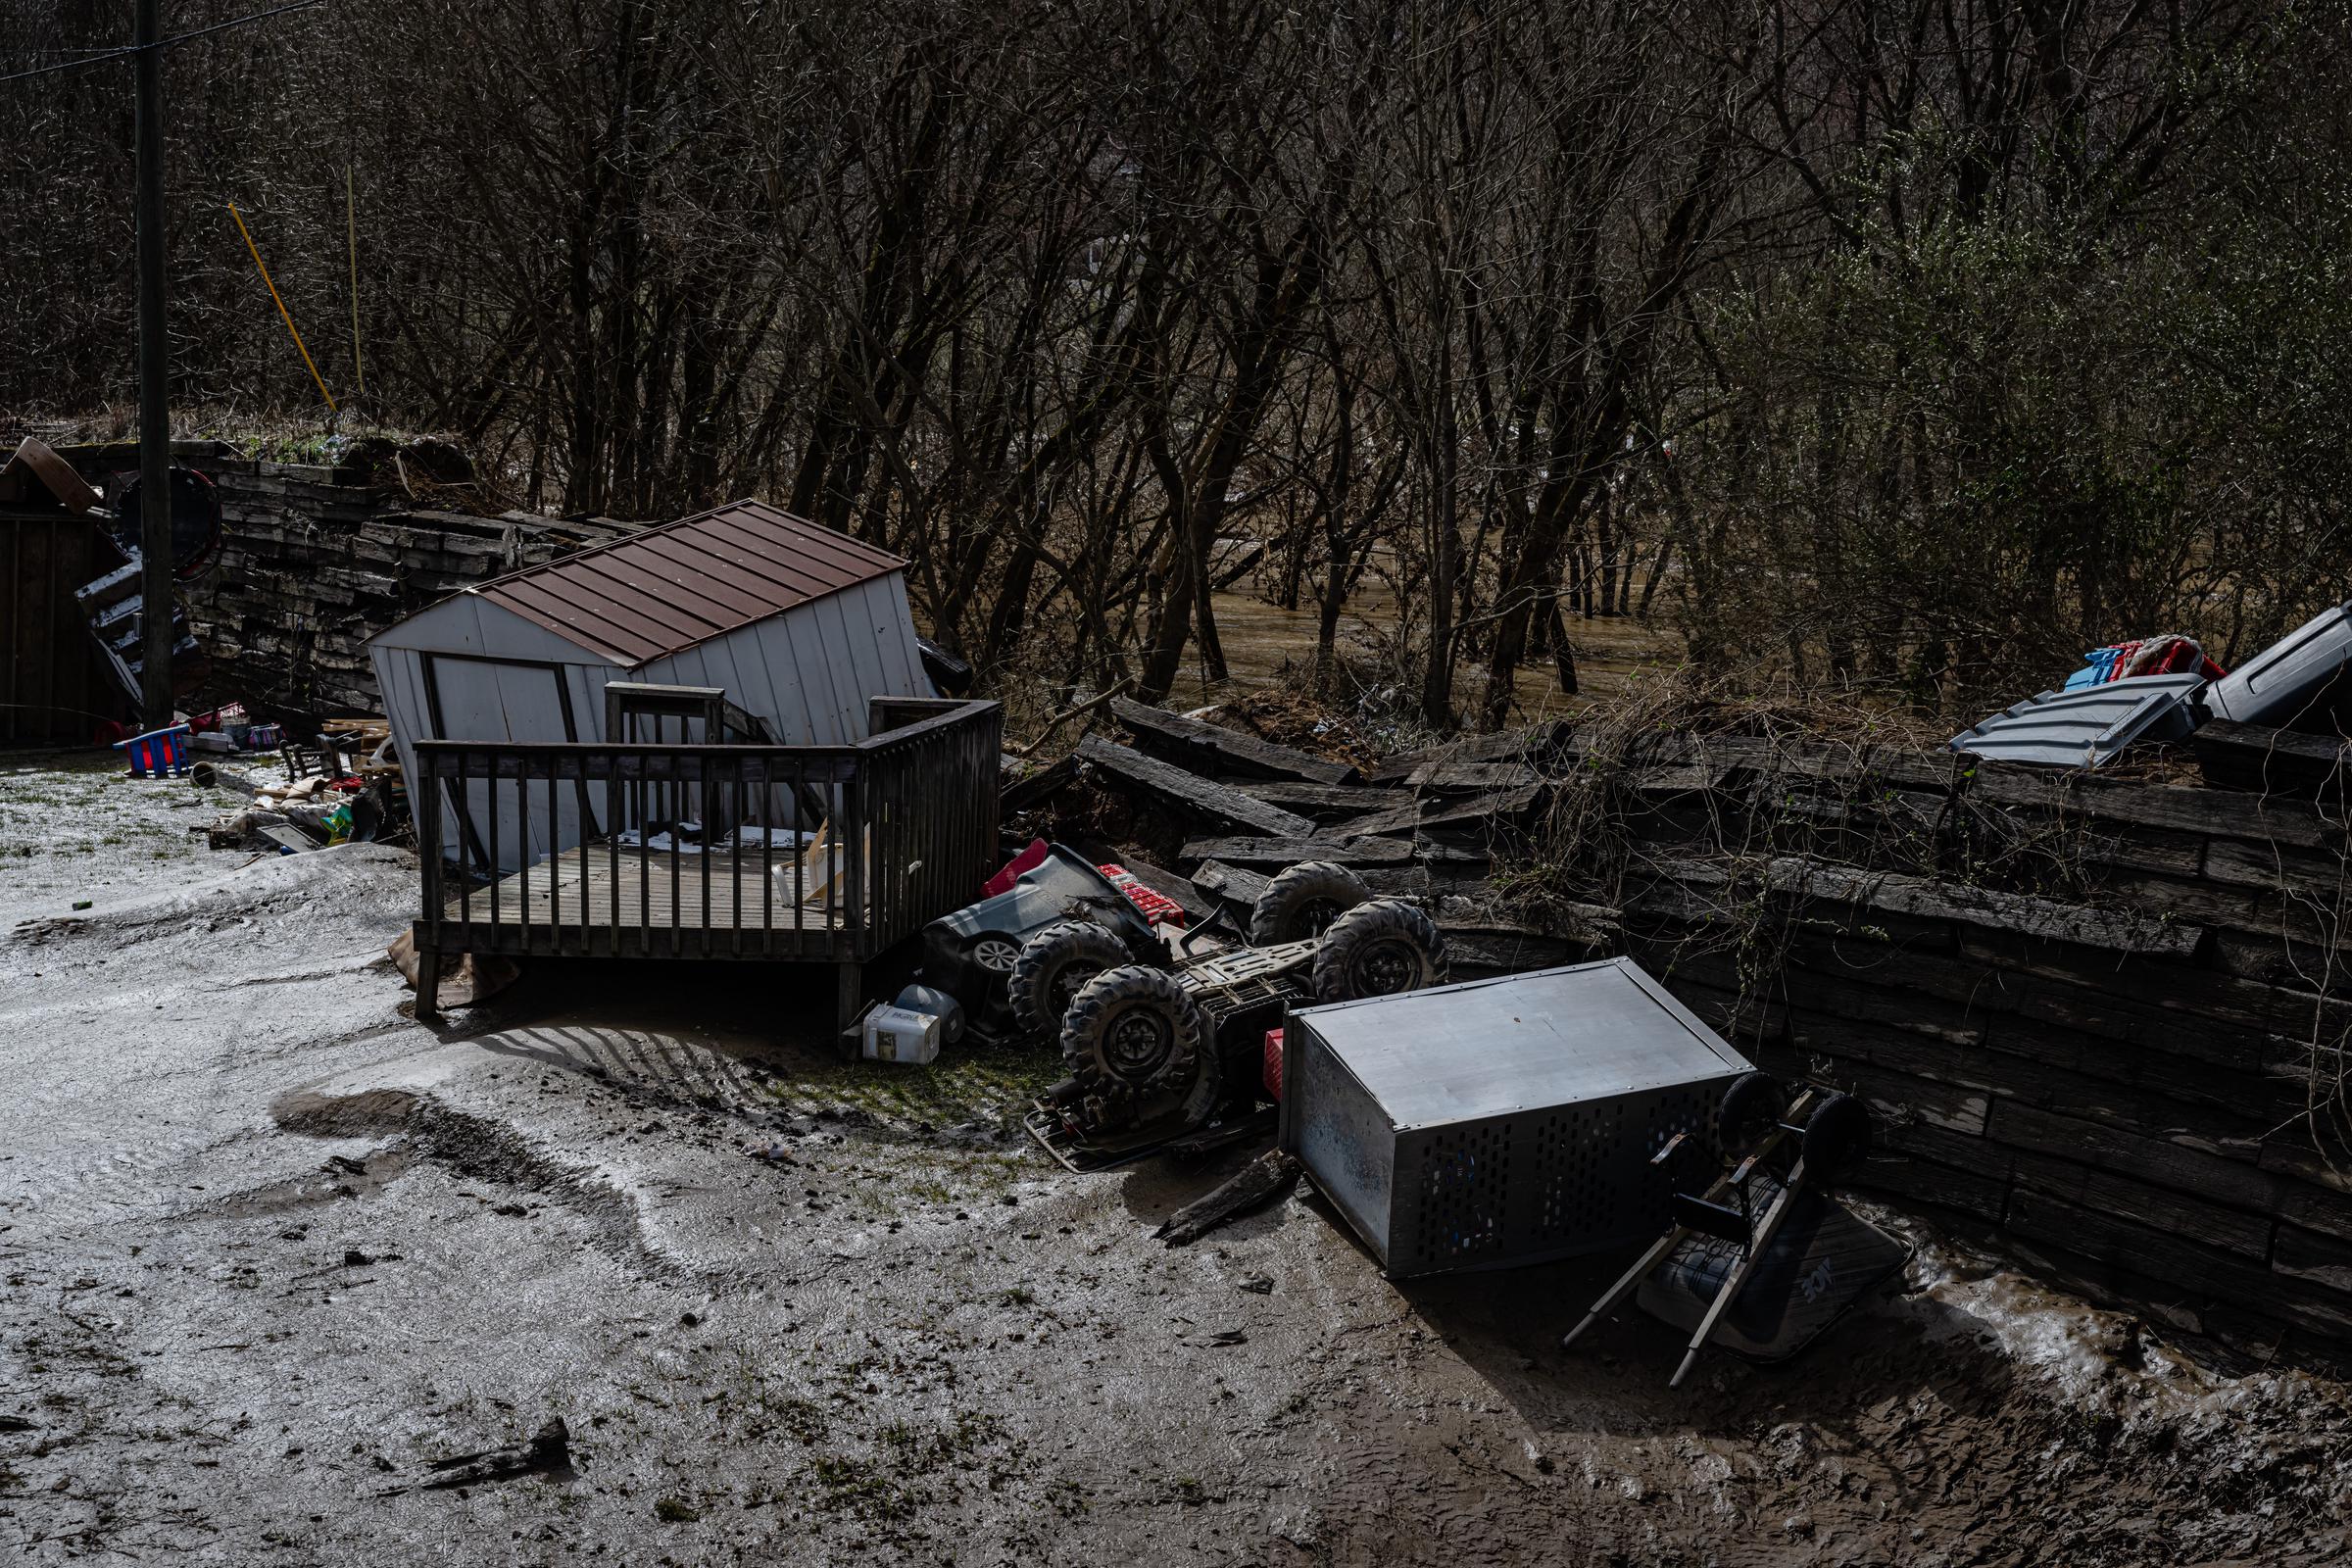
(1504,1121)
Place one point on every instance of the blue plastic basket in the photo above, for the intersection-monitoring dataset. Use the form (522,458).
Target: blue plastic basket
(158,752)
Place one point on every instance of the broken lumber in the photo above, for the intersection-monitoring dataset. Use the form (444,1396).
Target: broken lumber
(1279,852)
(1474,949)
(1188,793)
(1469,779)
(1537,745)
(1457,819)
(1262,1180)
(1325,803)
(1024,784)
(1213,750)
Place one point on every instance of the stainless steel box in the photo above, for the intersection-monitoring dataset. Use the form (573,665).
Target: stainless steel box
(1501,1121)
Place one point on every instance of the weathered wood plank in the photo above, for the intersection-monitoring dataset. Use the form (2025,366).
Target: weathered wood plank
(2251,756)
(1279,852)
(2128,931)
(2183,1163)
(2111,1192)
(2171,1263)
(1325,803)
(1453,819)
(1538,744)
(1231,882)
(1213,750)
(1195,798)
(1469,779)
(1474,948)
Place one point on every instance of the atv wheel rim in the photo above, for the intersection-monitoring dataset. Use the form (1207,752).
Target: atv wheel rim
(1317,914)
(1138,1044)
(1387,969)
(995,955)
(1064,987)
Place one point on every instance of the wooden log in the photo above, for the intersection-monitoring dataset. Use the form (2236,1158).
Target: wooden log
(1213,751)
(1026,785)
(1325,803)
(1194,797)
(1893,1096)
(2128,931)
(1940,1170)
(2271,868)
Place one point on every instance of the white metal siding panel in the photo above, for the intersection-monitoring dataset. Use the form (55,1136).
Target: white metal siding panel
(469,624)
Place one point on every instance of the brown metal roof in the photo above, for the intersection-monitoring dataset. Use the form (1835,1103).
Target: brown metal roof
(672,586)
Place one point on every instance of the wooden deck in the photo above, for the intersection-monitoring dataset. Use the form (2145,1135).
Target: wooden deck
(601,886)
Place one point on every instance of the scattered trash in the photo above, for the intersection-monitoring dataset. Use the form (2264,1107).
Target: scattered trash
(547,1452)
(2167,653)
(939,1004)
(901,1035)
(472,981)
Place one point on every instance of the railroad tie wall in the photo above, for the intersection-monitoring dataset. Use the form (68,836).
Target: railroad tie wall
(2133,1083)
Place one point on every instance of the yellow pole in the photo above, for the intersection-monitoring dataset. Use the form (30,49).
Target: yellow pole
(281,306)
(351,225)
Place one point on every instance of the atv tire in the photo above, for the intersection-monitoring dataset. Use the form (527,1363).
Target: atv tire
(1054,965)
(1753,1107)
(1303,900)
(1139,1052)
(1381,949)
(1836,1139)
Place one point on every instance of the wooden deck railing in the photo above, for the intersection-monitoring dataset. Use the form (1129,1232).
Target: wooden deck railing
(602,848)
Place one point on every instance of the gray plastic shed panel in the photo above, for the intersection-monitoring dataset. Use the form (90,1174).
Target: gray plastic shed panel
(2275,685)
(2085,729)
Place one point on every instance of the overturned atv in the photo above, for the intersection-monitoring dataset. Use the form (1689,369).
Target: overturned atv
(1157,1053)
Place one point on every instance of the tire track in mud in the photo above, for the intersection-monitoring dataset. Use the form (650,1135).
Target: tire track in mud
(484,1151)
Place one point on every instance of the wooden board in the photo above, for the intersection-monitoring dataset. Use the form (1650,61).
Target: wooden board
(1215,751)
(1190,795)
(1325,803)
(1279,852)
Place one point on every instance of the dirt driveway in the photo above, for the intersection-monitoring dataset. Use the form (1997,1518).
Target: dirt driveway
(271,1250)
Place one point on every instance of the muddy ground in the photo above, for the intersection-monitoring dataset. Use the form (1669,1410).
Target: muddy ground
(272,1250)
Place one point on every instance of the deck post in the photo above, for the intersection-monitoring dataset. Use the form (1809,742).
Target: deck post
(428,986)
(848,994)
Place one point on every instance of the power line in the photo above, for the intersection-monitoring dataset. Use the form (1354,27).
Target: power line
(129,51)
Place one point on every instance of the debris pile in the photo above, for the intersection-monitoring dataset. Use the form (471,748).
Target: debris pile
(314,559)
(2095,1016)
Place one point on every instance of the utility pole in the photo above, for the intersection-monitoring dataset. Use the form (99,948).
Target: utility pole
(155,418)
